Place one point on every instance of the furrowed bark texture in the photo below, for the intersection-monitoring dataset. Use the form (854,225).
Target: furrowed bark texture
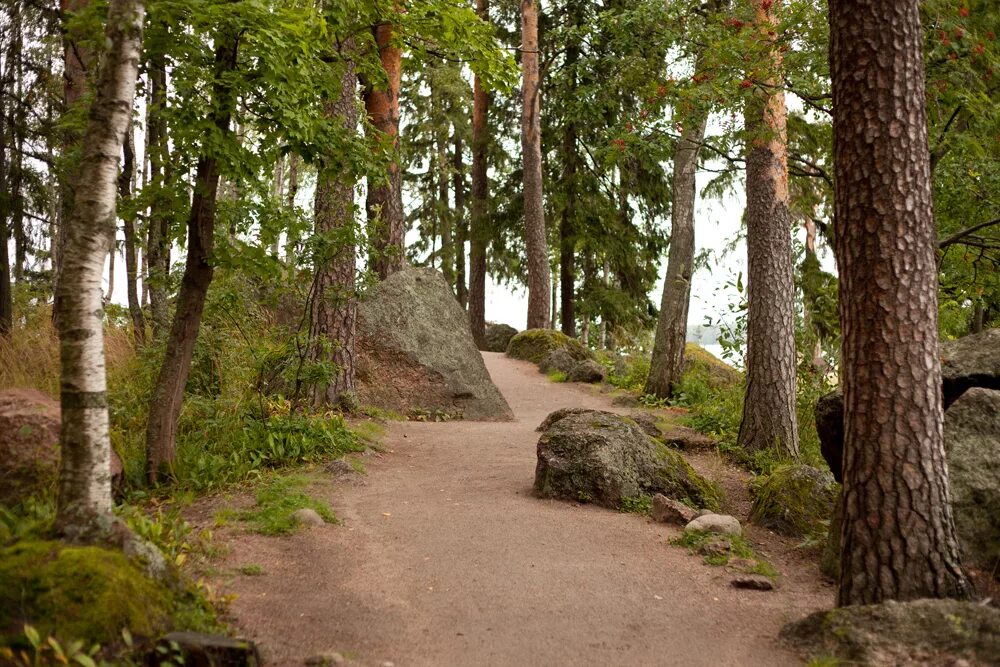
(334,303)
(898,536)
(479,209)
(168,393)
(531,149)
(385,198)
(769,404)
(85,443)
(667,362)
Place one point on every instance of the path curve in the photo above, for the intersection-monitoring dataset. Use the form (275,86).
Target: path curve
(445,558)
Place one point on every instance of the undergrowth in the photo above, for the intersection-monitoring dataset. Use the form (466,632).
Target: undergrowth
(277,501)
(693,541)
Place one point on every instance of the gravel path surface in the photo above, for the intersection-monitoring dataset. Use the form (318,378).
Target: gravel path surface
(444,557)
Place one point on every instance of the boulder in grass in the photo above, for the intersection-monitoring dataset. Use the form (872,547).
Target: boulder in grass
(498,337)
(588,371)
(795,500)
(723,524)
(535,344)
(416,352)
(606,459)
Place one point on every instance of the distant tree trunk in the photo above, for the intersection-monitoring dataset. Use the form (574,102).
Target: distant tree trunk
(292,239)
(445,219)
(128,223)
(6,299)
(535,241)
(479,210)
(158,239)
(334,309)
(385,198)
(461,225)
(16,125)
(168,393)
(898,536)
(111,271)
(667,362)
(85,468)
(769,403)
(567,222)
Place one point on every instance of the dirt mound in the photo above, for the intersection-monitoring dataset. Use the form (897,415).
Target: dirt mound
(416,353)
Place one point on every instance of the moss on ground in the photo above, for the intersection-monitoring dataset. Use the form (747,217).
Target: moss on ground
(736,547)
(78,592)
(278,500)
(534,344)
(795,500)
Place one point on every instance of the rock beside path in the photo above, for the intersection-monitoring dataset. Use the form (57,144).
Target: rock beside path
(557,360)
(603,458)
(498,337)
(753,582)
(203,650)
(586,371)
(535,344)
(308,517)
(923,632)
(795,500)
(416,352)
(668,510)
(722,524)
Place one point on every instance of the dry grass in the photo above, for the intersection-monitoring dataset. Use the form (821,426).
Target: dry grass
(29,358)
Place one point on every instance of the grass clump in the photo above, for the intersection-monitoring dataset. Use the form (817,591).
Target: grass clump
(641,504)
(251,570)
(535,344)
(277,501)
(556,376)
(738,547)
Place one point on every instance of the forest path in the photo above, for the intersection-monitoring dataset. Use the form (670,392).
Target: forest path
(445,558)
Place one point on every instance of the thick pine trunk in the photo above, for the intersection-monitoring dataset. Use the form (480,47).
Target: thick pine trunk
(769,403)
(898,536)
(480,207)
(84,505)
(168,393)
(334,304)
(535,241)
(384,203)
(158,234)
(128,223)
(461,224)
(667,362)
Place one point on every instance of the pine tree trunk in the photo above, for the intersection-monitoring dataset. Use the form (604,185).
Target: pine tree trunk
(461,224)
(84,505)
(769,403)
(480,207)
(158,239)
(898,535)
(6,299)
(385,197)
(168,393)
(16,125)
(536,244)
(667,362)
(334,303)
(128,223)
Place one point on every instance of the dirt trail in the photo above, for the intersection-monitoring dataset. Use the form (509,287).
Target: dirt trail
(445,558)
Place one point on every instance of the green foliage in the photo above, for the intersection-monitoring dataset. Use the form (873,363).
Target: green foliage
(628,372)
(642,504)
(738,547)
(251,570)
(556,375)
(277,500)
(32,517)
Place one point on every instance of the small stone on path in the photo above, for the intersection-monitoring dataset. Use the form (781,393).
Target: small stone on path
(668,510)
(753,582)
(308,517)
(326,660)
(715,523)
(717,547)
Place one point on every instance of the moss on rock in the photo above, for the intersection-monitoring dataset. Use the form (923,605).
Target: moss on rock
(535,344)
(702,365)
(677,479)
(78,592)
(795,500)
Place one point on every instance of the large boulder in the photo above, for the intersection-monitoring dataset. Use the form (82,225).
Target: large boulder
(29,445)
(972,441)
(498,337)
(557,361)
(922,632)
(604,458)
(795,500)
(416,352)
(971,361)
(586,371)
(535,344)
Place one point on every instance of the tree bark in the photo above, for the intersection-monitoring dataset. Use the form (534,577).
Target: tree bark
(461,224)
(769,403)
(84,504)
(480,207)
(158,234)
(6,299)
(667,362)
(384,204)
(168,393)
(334,304)
(445,219)
(128,223)
(898,535)
(535,240)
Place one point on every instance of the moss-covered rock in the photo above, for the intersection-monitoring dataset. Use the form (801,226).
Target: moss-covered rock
(604,458)
(923,632)
(78,592)
(535,344)
(498,336)
(795,500)
(715,373)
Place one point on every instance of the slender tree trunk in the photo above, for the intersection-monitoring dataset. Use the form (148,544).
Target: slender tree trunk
(567,223)
(667,362)
(769,403)
(128,223)
(898,535)
(168,393)
(334,305)
(111,270)
(461,224)
(292,239)
(6,300)
(16,125)
(84,505)
(536,243)
(480,207)
(384,203)
(444,216)
(158,239)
